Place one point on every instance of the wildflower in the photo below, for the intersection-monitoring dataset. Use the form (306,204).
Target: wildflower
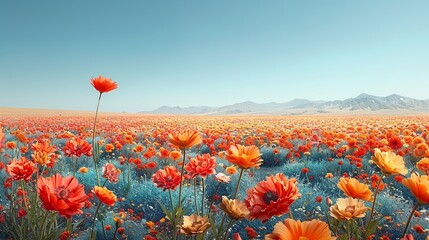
(348,208)
(22,213)
(103,85)
(231,170)
(353,188)
(185,139)
(77,147)
(167,178)
(121,230)
(194,224)
(64,235)
(105,195)
(408,237)
(108,227)
(297,230)
(21,169)
(329,175)
(111,173)
(271,197)
(419,187)
(64,195)
(319,199)
(175,155)
(236,236)
(389,162)
(203,166)
(109,147)
(423,164)
(305,170)
(251,233)
(119,219)
(83,170)
(222,178)
(11,145)
(418,229)
(244,156)
(235,209)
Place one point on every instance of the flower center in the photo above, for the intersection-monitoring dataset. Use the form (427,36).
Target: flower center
(62,192)
(270,196)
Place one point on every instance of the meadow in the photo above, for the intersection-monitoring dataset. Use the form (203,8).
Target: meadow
(199,177)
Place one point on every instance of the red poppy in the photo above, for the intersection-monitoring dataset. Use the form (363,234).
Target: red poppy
(271,197)
(203,165)
(21,169)
(77,147)
(64,195)
(167,178)
(103,85)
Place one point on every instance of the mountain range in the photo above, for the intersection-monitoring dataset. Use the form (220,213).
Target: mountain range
(362,104)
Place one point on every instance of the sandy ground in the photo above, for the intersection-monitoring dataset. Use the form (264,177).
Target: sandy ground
(18,112)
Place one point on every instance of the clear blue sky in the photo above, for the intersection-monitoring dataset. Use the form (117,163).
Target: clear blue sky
(193,53)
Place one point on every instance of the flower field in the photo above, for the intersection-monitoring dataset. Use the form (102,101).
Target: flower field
(199,177)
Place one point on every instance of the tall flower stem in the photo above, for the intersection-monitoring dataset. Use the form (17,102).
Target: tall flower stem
(212,198)
(93,221)
(238,183)
(195,196)
(409,219)
(373,203)
(181,180)
(203,197)
(93,141)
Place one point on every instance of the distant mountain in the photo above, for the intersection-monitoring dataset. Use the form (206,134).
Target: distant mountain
(362,104)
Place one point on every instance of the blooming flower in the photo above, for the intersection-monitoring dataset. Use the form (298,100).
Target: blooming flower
(419,187)
(353,188)
(167,178)
(244,156)
(235,208)
(111,173)
(297,230)
(105,195)
(389,162)
(203,166)
(348,208)
(271,197)
(222,178)
(21,169)
(194,224)
(423,164)
(77,147)
(103,85)
(185,139)
(64,195)
(175,155)
(231,170)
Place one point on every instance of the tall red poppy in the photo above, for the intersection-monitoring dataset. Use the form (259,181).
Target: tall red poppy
(103,85)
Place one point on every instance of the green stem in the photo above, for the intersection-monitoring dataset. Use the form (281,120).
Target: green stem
(409,219)
(93,141)
(114,235)
(74,164)
(212,198)
(93,221)
(181,180)
(231,222)
(195,196)
(373,203)
(171,200)
(238,183)
(203,198)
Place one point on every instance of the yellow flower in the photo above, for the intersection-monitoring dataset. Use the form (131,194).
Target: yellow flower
(353,188)
(389,162)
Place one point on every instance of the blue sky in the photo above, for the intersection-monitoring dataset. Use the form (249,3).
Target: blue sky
(213,53)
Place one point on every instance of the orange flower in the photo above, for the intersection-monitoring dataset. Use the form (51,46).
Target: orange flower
(167,178)
(109,147)
(77,147)
(105,195)
(83,170)
(389,162)
(423,164)
(111,173)
(11,145)
(231,170)
(201,165)
(64,195)
(2,139)
(244,156)
(235,208)
(297,230)
(185,139)
(44,153)
(21,169)
(353,188)
(194,224)
(103,85)
(175,155)
(348,208)
(419,187)
(138,149)
(271,197)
